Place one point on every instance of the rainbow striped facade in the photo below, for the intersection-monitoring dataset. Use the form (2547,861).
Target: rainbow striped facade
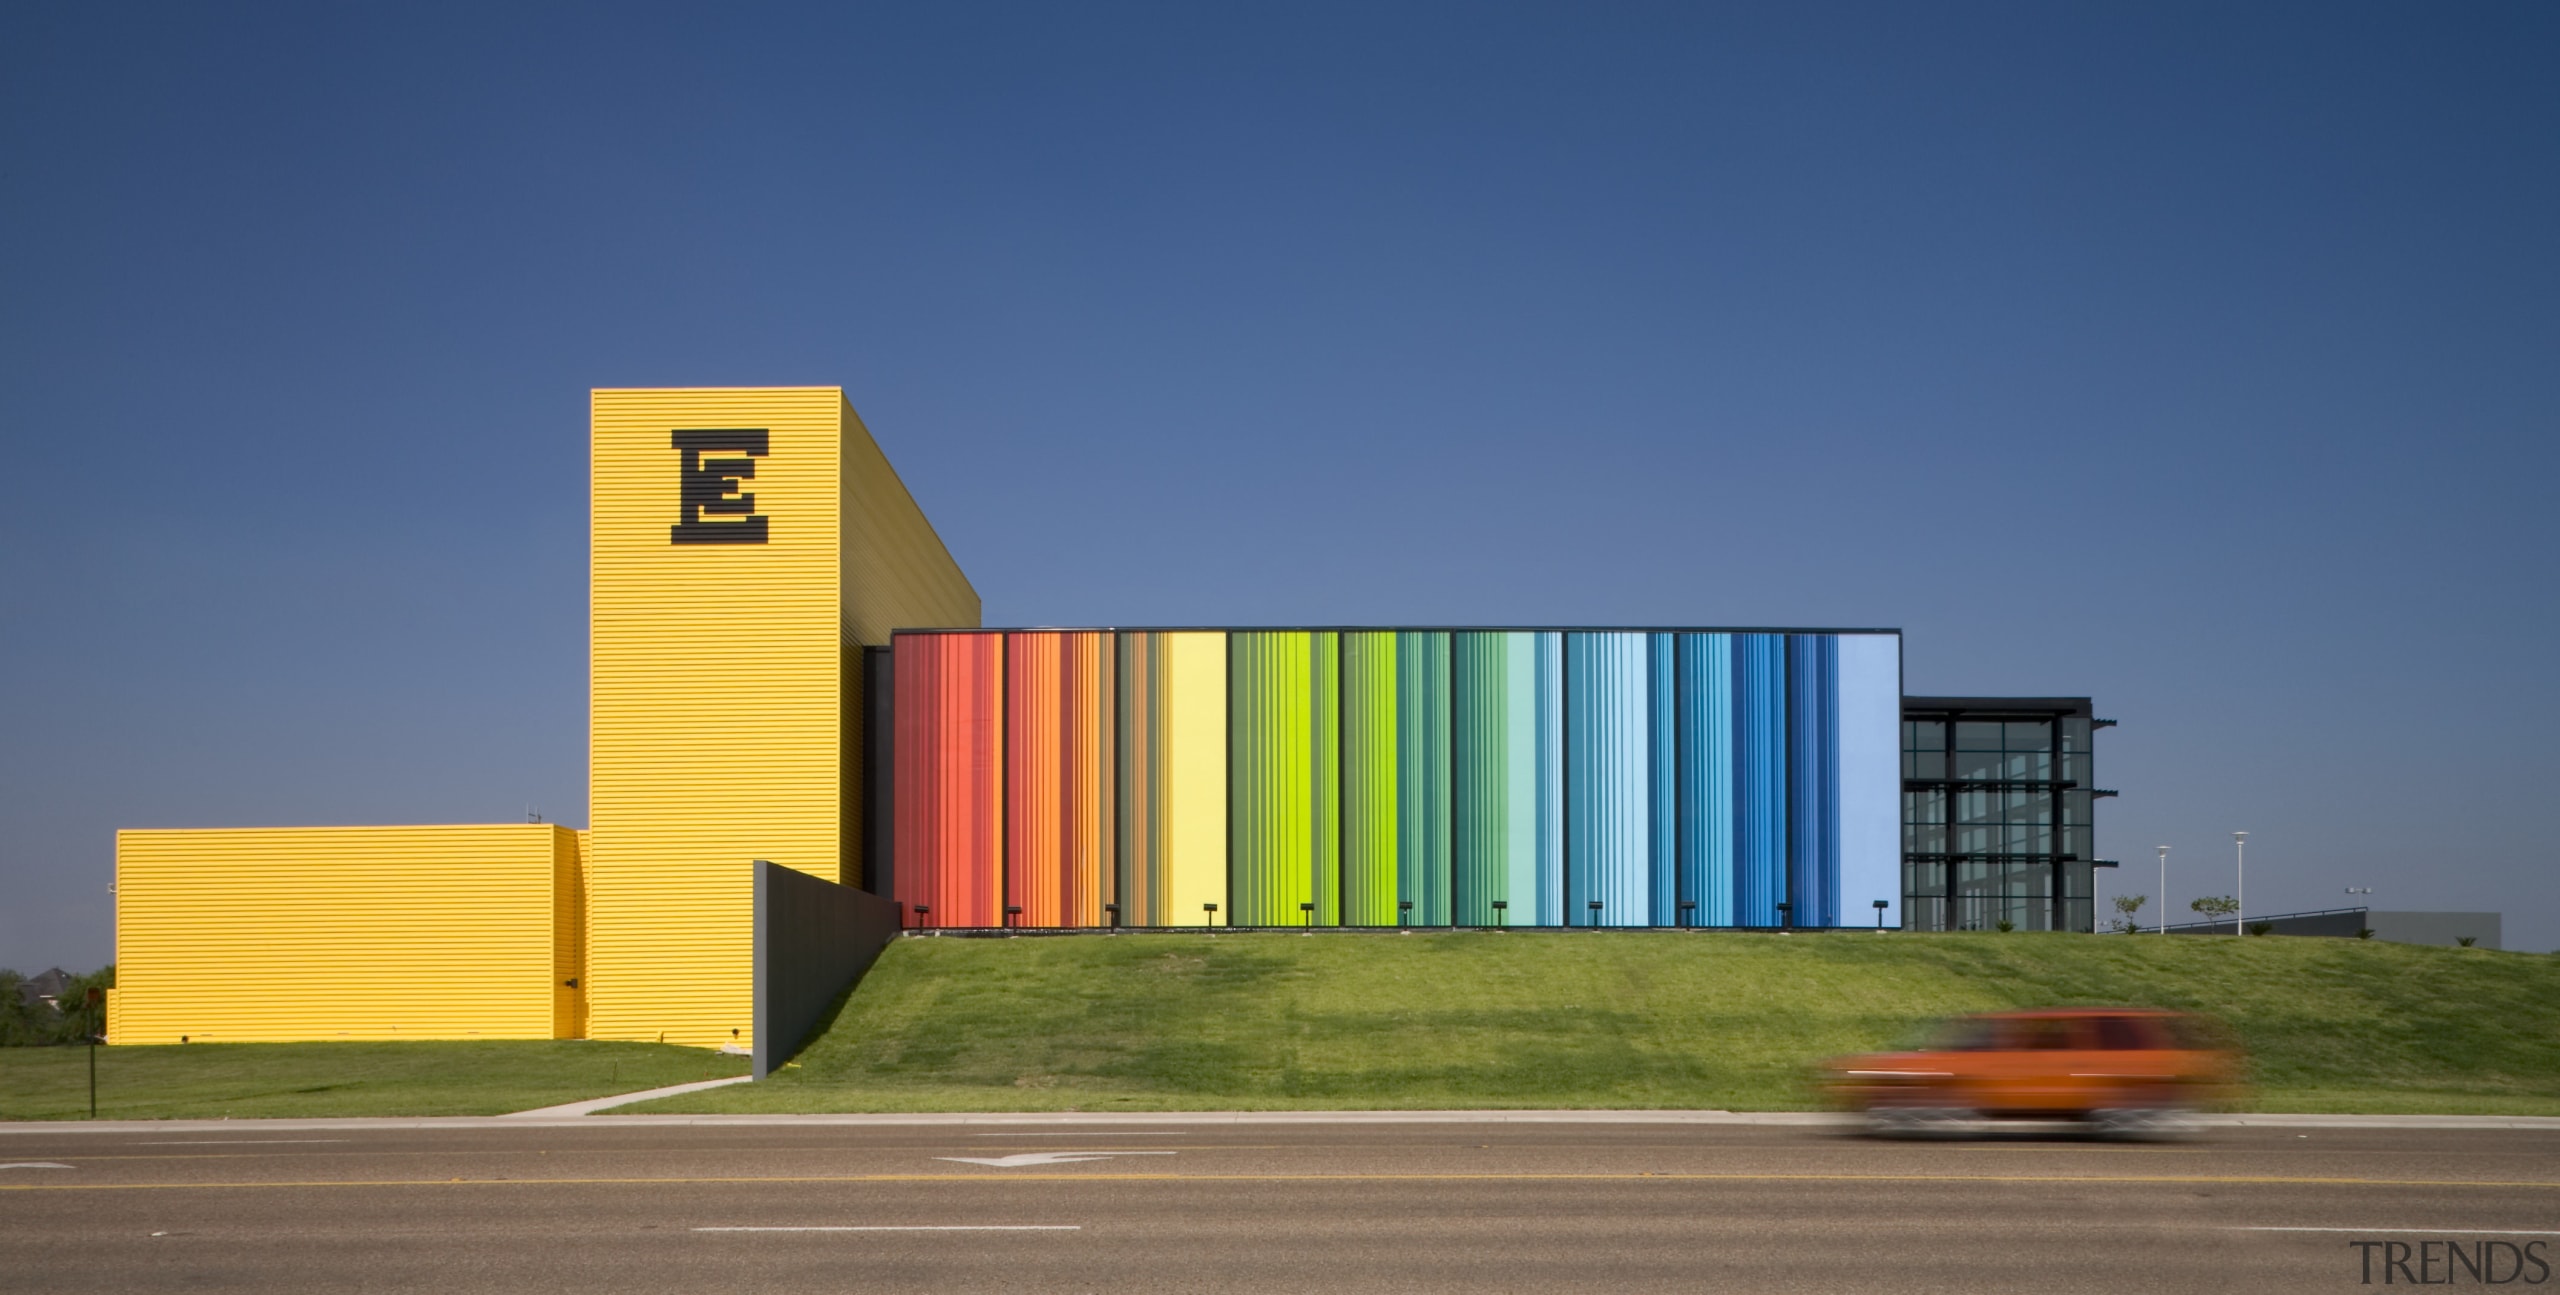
(1384,777)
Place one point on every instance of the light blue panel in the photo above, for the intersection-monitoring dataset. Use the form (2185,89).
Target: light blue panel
(1607,779)
(1813,777)
(1706,776)
(1759,778)
(1662,771)
(1550,722)
(1520,776)
(1870,777)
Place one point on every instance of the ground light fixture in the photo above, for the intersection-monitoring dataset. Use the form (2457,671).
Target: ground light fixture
(1880,907)
(1595,912)
(1011,911)
(1502,912)
(1208,915)
(2240,888)
(1114,911)
(1404,910)
(1688,912)
(1786,916)
(2164,889)
(923,911)
(1306,914)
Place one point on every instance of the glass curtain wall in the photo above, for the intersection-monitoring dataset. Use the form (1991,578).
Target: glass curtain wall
(1997,804)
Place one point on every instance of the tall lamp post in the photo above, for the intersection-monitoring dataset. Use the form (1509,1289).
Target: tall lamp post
(2240,897)
(2164,890)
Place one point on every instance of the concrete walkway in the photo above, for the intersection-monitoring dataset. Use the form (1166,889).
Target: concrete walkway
(595,1104)
(568,1116)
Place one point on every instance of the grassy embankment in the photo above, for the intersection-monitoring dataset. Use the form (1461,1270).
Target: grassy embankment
(215,1080)
(1468,1020)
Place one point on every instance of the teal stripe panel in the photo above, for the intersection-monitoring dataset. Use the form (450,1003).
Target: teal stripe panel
(1607,779)
(1479,783)
(1547,678)
(1705,668)
(1422,776)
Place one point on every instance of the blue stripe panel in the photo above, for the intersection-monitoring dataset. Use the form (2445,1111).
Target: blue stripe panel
(1422,776)
(1705,669)
(1813,780)
(1662,765)
(1759,778)
(1607,781)
(1870,777)
(1548,680)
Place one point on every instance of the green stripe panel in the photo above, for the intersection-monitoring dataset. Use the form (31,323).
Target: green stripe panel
(1493,782)
(1324,758)
(1422,776)
(1271,767)
(1369,779)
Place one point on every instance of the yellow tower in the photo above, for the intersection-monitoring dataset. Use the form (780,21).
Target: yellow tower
(747,544)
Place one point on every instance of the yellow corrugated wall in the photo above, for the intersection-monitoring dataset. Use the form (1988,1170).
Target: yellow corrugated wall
(237,935)
(1195,794)
(725,687)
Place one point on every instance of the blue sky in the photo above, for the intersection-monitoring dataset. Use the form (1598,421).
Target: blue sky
(2198,358)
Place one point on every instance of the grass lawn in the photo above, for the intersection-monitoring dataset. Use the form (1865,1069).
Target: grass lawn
(1624,1019)
(212,1080)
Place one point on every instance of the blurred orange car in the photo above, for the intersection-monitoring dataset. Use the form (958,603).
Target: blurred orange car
(2123,1071)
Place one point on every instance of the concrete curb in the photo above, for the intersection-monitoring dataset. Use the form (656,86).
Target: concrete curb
(594,1104)
(1105,1119)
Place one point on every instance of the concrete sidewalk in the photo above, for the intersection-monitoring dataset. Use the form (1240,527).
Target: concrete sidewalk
(553,1117)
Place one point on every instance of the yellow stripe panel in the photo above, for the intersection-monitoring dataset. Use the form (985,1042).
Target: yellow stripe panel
(281,934)
(1195,777)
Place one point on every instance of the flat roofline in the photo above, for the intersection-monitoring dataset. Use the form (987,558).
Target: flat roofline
(1372,629)
(2011,705)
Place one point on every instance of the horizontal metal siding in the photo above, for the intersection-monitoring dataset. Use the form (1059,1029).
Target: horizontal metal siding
(718,710)
(283,934)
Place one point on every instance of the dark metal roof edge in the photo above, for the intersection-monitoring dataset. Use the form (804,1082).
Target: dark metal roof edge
(1411,629)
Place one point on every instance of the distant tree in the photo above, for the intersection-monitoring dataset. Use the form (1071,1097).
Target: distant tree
(22,1022)
(2216,906)
(26,1022)
(2126,907)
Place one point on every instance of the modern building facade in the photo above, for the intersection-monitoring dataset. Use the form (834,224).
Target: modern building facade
(1396,777)
(787,666)
(1998,813)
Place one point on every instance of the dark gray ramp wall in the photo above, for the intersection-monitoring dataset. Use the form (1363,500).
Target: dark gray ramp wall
(814,938)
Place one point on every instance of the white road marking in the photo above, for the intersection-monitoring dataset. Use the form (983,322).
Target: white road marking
(34,1164)
(947,1227)
(1021,1159)
(234,1142)
(1104,1134)
(2466,1232)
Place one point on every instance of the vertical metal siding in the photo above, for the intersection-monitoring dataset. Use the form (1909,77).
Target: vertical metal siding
(1662,799)
(1759,778)
(1479,783)
(1549,667)
(1324,726)
(1036,773)
(1813,777)
(283,934)
(1422,776)
(1273,776)
(1608,787)
(949,794)
(1369,784)
(1706,775)
(1194,799)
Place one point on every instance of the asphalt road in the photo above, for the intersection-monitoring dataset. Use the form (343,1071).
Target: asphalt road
(628,1205)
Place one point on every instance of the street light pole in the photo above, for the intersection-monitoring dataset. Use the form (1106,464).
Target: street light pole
(2240,899)
(2164,890)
